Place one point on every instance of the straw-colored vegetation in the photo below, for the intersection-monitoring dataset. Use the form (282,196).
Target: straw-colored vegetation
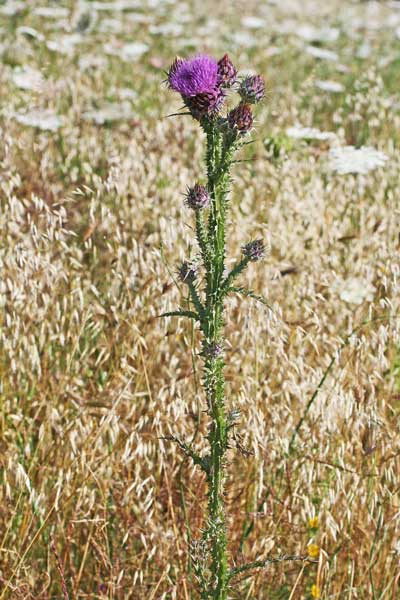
(93,504)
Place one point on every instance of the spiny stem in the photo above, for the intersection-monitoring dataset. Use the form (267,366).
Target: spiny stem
(214,382)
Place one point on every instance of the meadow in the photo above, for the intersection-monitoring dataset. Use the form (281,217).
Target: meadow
(94,501)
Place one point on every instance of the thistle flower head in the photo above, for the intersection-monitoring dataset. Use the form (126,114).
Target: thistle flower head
(187,272)
(226,72)
(193,76)
(252,89)
(240,118)
(197,197)
(254,250)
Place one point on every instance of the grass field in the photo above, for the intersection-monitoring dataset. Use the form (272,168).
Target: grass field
(93,504)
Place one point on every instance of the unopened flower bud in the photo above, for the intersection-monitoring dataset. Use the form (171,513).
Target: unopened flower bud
(254,250)
(187,272)
(226,72)
(240,118)
(212,350)
(197,197)
(206,103)
(252,89)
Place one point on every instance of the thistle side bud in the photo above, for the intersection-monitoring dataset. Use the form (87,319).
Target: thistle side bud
(212,350)
(240,118)
(252,89)
(197,197)
(226,72)
(206,103)
(187,272)
(254,250)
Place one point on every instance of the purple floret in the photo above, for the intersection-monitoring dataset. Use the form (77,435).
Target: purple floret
(192,76)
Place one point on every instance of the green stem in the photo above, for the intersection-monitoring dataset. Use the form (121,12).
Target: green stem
(214,381)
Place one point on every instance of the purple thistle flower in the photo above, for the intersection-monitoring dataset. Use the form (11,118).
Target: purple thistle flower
(226,72)
(193,76)
(197,197)
(241,118)
(252,89)
(187,272)
(254,250)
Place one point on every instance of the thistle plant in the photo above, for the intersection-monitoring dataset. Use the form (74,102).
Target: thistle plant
(204,85)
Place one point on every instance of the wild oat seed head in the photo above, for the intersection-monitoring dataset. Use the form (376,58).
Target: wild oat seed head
(240,118)
(254,250)
(252,89)
(197,197)
(226,72)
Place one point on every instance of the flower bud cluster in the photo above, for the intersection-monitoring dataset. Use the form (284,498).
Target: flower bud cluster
(203,84)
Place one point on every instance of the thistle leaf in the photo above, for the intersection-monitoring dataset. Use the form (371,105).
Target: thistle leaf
(181,313)
(249,294)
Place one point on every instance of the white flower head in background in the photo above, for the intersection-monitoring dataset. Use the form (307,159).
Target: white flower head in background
(322,53)
(41,119)
(309,133)
(126,52)
(329,86)
(251,22)
(109,113)
(27,78)
(355,290)
(349,159)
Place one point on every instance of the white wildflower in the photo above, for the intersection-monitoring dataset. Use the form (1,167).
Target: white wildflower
(92,61)
(29,32)
(108,113)
(65,44)
(27,78)
(349,159)
(51,12)
(42,119)
(355,290)
(170,29)
(329,86)
(322,53)
(119,5)
(364,51)
(309,133)
(314,34)
(12,8)
(252,22)
(127,52)
(242,38)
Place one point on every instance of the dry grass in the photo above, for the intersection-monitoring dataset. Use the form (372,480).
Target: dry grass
(93,503)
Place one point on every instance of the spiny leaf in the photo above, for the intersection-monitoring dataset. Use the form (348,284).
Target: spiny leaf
(249,294)
(181,313)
